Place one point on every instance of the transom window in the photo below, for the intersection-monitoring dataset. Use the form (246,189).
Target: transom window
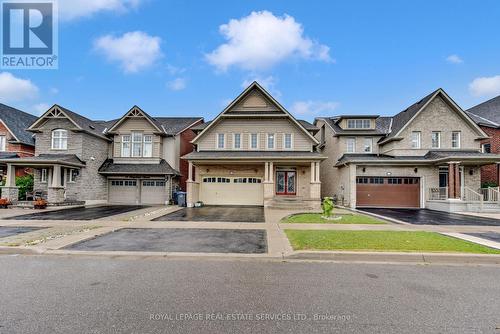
(270,141)
(2,143)
(368,145)
(59,139)
(287,141)
(455,139)
(221,141)
(237,140)
(415,139)
(358,124)
(436,139)
(254,141)
(351,145)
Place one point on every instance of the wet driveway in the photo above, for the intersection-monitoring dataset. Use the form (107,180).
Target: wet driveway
(81,213)
(492,236)
(7,231)
(237,214)
(178,240)
(431,217)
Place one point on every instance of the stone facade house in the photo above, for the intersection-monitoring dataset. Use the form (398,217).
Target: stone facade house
(487,115)
(427,156)
(132,160)
(15,141)
(255,153)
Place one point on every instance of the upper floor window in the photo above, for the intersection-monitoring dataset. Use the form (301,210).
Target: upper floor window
(254,141)
(415,139)
(147,150)
(237,140)
(126,146)
(368,145)
(351,145)
(436,139)
(221,140)
(270,141)
(455,139)
(136,144)
(486,148)
(287,141)
(59,139)
(2,143)
(358,124)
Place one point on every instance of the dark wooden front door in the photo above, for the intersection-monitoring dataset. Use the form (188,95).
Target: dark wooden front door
(286,183)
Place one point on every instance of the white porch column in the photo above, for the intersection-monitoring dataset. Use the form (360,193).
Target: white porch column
(313,172)
(11,176)
(10,191)
(190,172)
(271,172)
(56,176)
(317,172)
(266,172)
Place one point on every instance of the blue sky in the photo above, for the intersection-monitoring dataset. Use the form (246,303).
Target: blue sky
(173,58)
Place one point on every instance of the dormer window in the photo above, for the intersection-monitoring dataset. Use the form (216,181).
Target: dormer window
(358,124)
(59,139)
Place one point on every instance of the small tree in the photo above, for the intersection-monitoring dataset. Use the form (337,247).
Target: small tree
(327,207)
(25,184)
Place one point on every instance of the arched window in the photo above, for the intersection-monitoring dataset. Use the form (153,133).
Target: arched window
(59,139)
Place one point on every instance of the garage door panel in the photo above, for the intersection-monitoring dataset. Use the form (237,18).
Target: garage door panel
(388,192)
(123,191)
(153,192)
(229,191)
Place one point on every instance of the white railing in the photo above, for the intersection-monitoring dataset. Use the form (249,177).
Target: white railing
(436,194)
(490,194)
(470,195)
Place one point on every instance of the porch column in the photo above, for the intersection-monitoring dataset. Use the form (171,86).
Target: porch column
(55,192)
(454,180)
(271,172)
(56,176)
(457,183)
(313,172)
(190,172)
(317,172)
(269,190)
(193,187)
(315,187)
(10,191)
(266,172)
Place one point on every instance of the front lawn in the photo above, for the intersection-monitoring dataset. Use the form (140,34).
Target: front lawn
(392,241)
(315,218)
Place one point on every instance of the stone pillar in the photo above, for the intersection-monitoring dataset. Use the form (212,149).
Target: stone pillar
(55,193)
(10,191)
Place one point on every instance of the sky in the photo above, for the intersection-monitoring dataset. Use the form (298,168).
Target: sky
(318,58)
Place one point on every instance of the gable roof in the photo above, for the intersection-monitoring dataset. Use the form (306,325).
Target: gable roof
(137,112)
(17,122)
(175,125)
(81,123)
(255,86)
(382,126)
(488,112)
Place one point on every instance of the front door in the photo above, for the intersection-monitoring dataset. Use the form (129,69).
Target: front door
(286,183)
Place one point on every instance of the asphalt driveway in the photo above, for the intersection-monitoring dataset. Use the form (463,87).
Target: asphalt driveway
(237,214)
(81,213)
(492,236)
(177,240)
(7,231)
(431,217)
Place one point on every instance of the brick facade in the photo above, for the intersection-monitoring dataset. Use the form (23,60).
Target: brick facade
(186,147)
(490,173)
(21,150)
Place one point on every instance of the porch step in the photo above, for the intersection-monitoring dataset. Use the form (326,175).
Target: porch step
(486,207)
(289,203)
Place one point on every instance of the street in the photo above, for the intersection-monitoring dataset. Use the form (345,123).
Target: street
(76,294)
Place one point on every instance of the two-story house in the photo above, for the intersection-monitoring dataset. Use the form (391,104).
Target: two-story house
(254,153)
(427,156)
(487,115)
(132,160)
(15,141)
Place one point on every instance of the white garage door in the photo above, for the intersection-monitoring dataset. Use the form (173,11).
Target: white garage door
(123,191)
(219,190)
(153,192)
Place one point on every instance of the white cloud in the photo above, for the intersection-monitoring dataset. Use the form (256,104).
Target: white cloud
(261,40)
(313,107)
(16,89)
(174,70)
(454,59)
(54,91)
(177,84)
(134,51)
(40,108)
(75,9)
(485,86)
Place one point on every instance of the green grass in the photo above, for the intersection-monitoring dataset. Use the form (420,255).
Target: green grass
(315,218)
(392,241)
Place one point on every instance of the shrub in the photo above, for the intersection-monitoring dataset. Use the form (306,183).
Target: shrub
(40,204)
(489,184)
(25,184)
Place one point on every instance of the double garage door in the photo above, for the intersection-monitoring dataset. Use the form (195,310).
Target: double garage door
(388,192)
(230,190)
(138,191)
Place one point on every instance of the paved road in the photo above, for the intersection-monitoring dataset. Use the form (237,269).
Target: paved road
(59,294)
(81,213)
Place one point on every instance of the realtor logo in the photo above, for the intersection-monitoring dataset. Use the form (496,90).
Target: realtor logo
(29,34)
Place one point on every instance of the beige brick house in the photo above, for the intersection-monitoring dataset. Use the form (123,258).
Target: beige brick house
(427,156)
(255,153)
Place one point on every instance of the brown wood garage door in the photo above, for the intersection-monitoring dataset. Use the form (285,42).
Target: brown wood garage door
(388,192)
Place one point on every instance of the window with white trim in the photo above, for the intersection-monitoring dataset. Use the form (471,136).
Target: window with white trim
(368,145)
(455,139)
(126,146)
(351,145)
(358,124)
(221,141)
(254,141)
(415,139)
(270,141)
(147,150)
(72,174)
(43,175)
(237,140)
(436,139)
(486,148)
(287,141)
(136,144)
(2,143)
(59,139)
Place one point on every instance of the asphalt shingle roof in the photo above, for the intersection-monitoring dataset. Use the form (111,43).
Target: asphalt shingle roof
(163,168)
(205,155)
(382,126)
(86,124)
(18,121)
(62,158)
(488,111)
(174,125)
